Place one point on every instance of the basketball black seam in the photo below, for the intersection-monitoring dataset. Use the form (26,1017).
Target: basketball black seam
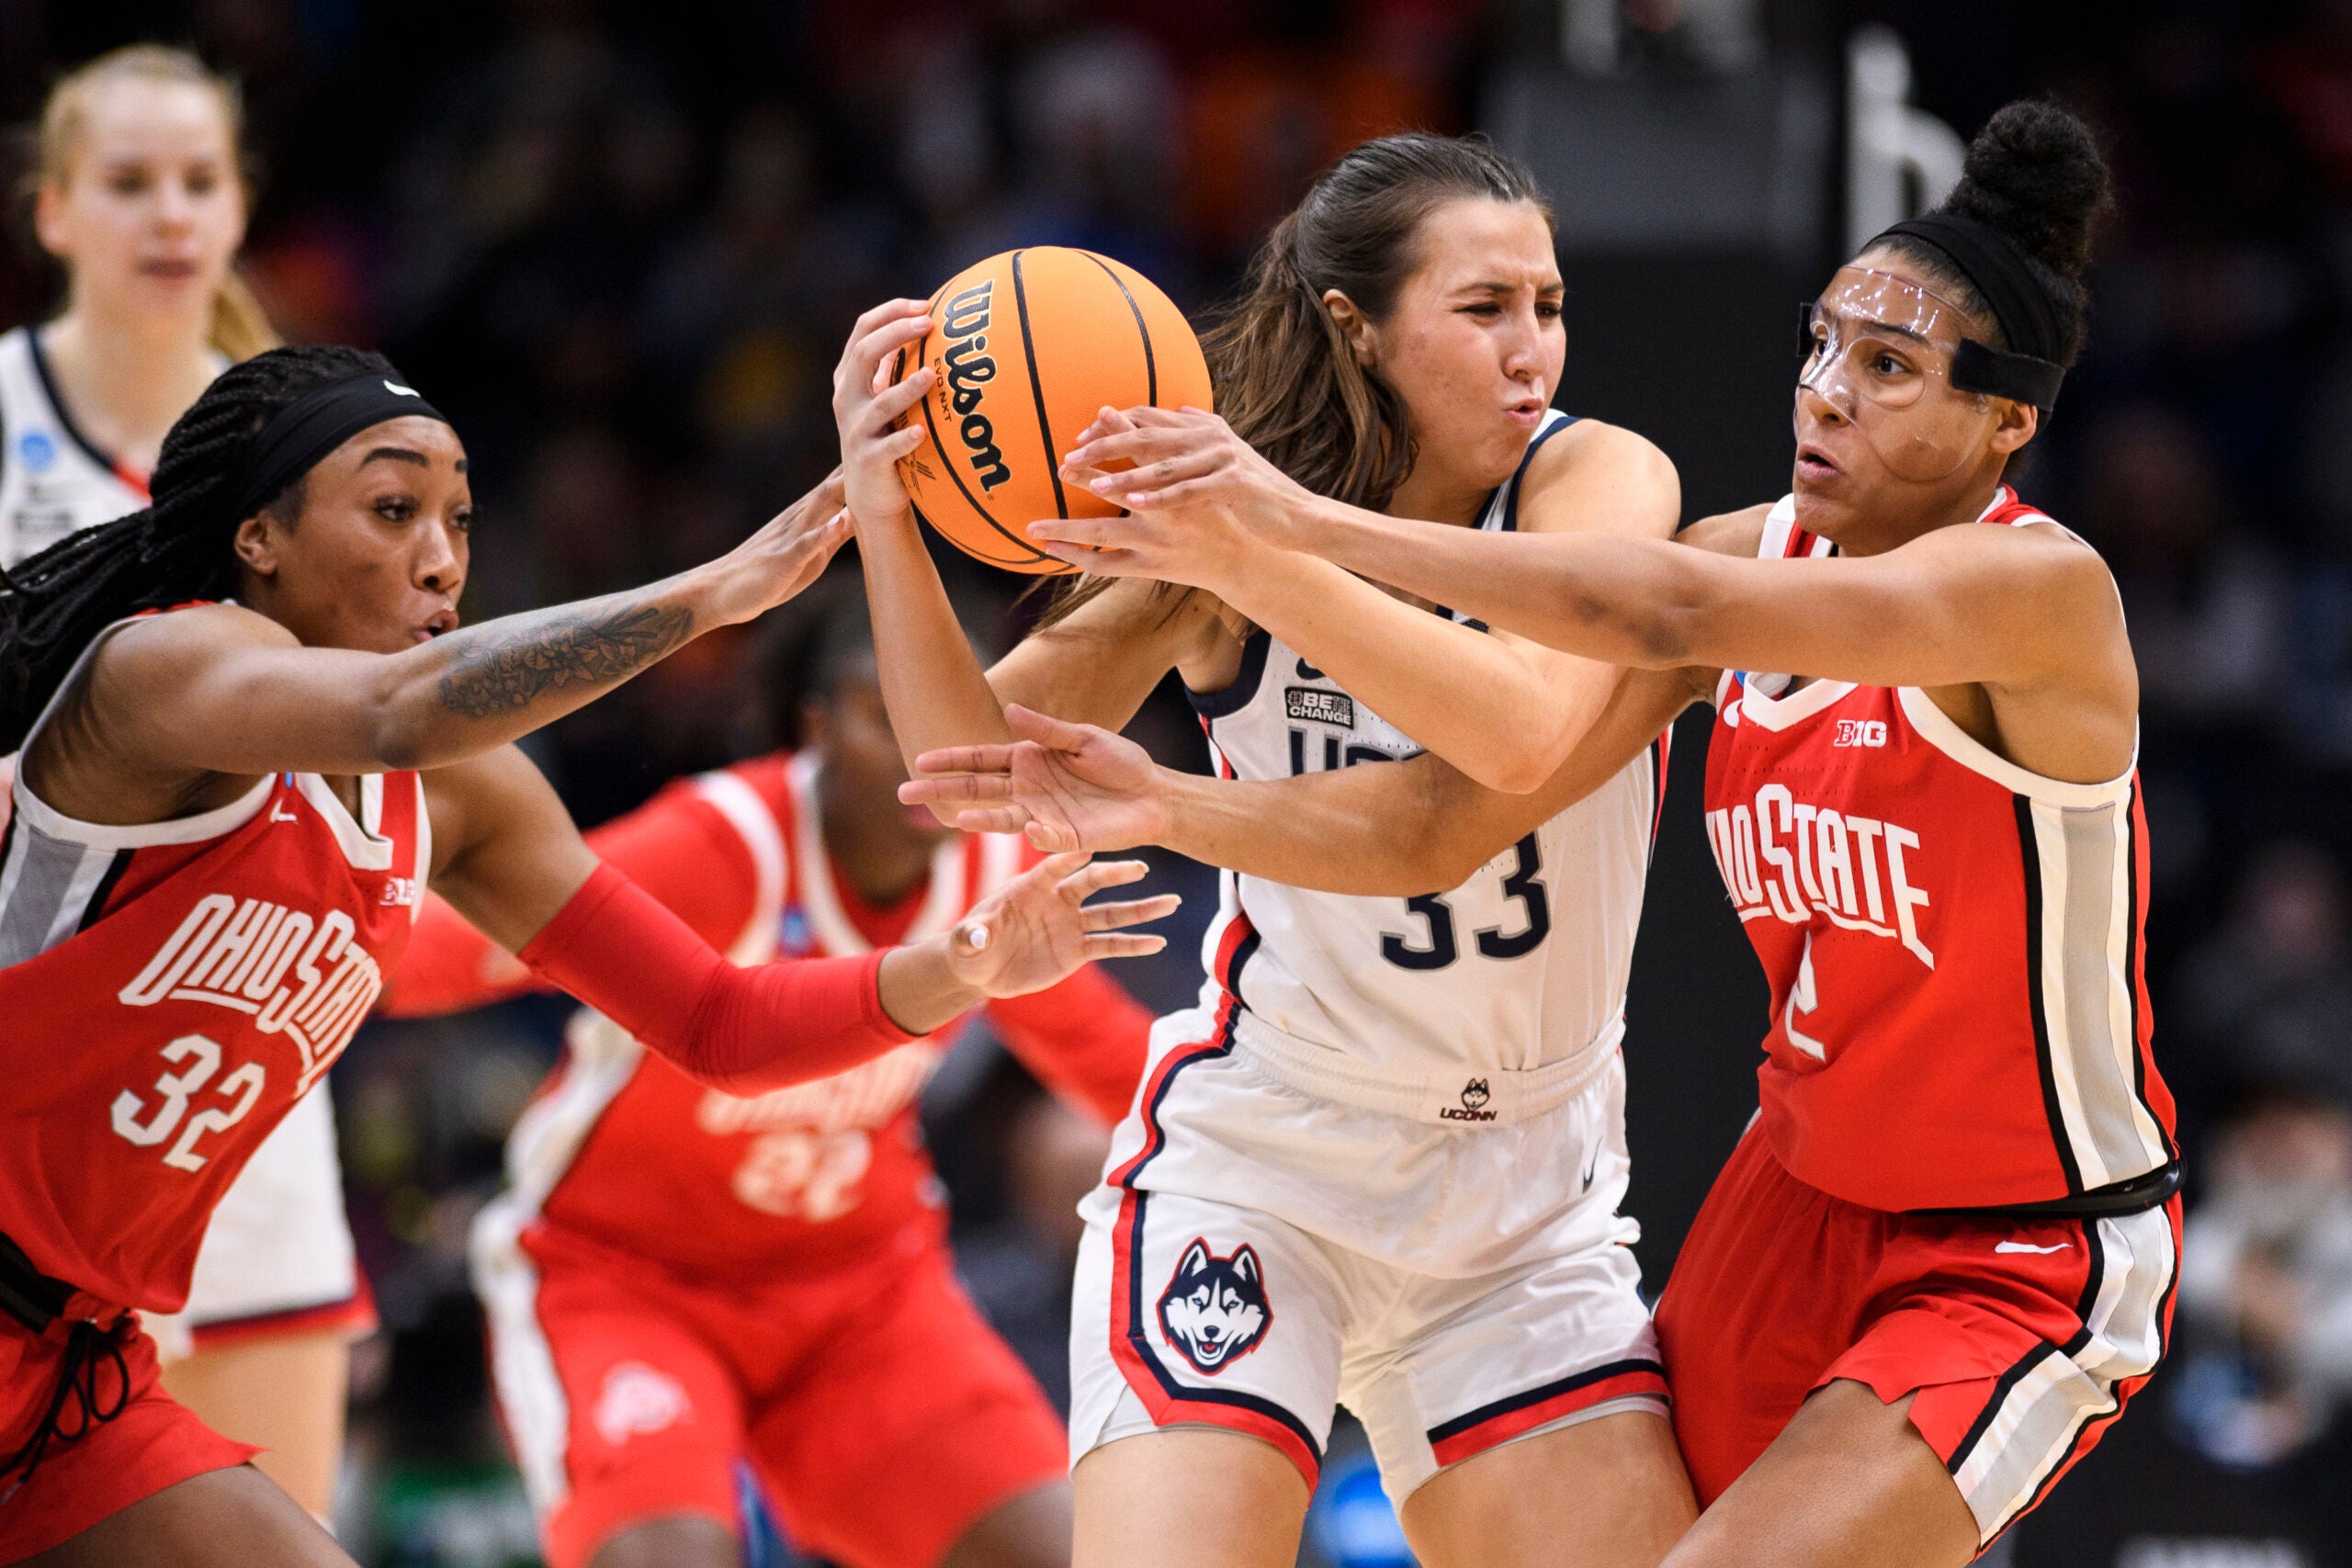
(1150,369)
(1037,387)
(948,463)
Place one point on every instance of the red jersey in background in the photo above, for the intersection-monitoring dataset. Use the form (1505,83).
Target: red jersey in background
(622,1148)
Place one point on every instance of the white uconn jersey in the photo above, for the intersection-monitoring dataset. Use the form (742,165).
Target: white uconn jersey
(1522,968)
(53,481)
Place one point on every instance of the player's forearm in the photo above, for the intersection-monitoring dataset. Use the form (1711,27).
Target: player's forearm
(743,1030)
(1491,712)
(474,690)
(934,686)
(1374,830)
(1622,601)
(919,990)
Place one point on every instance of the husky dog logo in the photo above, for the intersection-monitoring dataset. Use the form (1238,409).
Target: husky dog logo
(1474,1095)
(1215,1309)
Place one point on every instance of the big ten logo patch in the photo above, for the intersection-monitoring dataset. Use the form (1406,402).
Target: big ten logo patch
(1860,732)
(638,1400)
(1214,1311)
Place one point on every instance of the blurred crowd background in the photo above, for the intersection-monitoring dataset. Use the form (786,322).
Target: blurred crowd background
(620,243)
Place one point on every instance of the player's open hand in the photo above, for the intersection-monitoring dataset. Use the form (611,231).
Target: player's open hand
(784,557)
(868,409)
(1065,786)
(1037,928)
(1200,500)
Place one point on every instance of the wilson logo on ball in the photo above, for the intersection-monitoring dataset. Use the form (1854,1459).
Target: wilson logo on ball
(970,369)
(1029,346)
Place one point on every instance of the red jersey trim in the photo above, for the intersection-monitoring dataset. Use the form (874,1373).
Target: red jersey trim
(1490,1425)
(355,1314)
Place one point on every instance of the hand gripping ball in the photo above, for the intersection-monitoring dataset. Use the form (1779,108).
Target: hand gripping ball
(1030,345)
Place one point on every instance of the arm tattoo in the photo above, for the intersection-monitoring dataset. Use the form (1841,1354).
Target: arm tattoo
(509,664)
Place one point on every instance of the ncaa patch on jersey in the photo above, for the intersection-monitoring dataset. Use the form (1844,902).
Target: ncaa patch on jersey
(1324,707)
(36,451)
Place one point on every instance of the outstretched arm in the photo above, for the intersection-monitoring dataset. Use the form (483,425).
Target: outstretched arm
(1387,829)
(677,846)
(222,690)
(1503,709)
(519,871)
(1996,606)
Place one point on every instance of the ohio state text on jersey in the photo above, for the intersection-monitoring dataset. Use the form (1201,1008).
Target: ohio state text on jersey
(174,987)
(1954,944)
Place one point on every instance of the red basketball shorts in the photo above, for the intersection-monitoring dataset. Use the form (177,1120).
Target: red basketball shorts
(2021,1340)
(155,1442)
(881,1414)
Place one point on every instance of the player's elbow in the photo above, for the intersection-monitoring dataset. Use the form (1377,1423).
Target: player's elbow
(1518,768)
(1670,630)
(1435,856)
(406,729)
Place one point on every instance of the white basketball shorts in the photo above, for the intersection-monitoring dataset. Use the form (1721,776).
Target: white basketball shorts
(277,1256)
(1257,1254)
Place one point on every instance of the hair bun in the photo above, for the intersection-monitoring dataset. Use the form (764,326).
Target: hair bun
(2036,174)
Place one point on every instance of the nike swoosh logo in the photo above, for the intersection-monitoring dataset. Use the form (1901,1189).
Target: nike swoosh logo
(2028,1247)
(279,814)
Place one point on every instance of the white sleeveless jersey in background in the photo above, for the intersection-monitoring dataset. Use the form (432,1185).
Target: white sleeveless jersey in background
(1520,968)
(53,481)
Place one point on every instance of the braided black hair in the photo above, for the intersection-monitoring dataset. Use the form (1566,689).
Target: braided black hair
(2034,172)
(174,549)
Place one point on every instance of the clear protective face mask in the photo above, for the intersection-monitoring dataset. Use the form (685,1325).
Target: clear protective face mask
(1879,349)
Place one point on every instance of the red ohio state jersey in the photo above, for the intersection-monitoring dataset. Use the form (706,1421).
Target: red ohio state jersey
(172,989)
(1959,1018)
(623,1147)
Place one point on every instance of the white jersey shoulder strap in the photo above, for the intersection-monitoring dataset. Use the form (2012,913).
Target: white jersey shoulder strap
(763,840)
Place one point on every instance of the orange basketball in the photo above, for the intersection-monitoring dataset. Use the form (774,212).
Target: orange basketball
(1030,345)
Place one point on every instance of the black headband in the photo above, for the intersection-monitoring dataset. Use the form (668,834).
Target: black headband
(309,428)
(2029,369)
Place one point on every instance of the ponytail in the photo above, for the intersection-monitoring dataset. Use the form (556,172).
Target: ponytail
(1290,384)
(241,328)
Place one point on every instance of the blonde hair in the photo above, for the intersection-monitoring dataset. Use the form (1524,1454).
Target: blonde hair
(241,329)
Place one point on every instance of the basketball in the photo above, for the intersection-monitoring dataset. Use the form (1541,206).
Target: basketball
(1031,344)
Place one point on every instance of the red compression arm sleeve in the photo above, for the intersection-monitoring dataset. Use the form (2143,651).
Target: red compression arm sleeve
(743,1031)
(677,846)
(1085,1037)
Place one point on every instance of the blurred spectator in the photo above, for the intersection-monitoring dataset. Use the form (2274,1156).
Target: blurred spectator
(2206,601)
(2266,1282)
(2269,995)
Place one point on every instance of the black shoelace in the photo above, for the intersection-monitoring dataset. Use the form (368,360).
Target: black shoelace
(87,1348)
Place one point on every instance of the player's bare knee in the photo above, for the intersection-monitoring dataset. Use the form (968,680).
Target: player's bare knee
(1031,1530)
